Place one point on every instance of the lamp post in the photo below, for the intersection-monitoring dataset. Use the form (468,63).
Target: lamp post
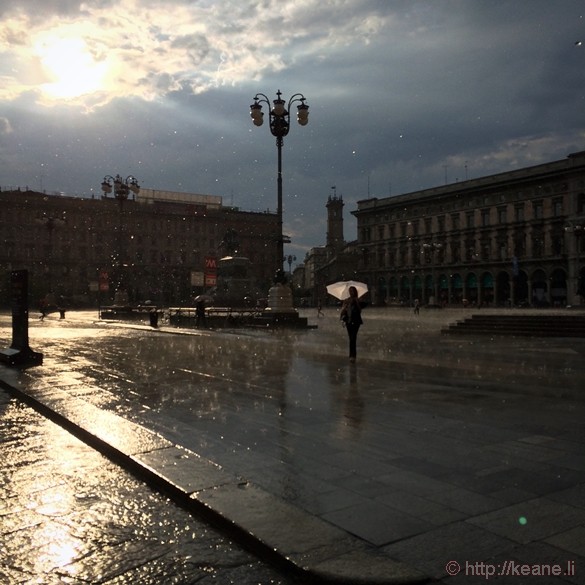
(121,189)
(290,259)
(429,250)
(279,117)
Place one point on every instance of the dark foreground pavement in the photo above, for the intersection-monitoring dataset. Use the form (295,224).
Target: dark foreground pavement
(432,457)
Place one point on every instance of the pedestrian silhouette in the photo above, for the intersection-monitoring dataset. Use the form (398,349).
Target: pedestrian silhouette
(351,315)
(200,313)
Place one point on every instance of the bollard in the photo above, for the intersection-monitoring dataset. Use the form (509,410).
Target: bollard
(19,353)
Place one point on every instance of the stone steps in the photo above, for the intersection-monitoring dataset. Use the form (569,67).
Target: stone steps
(520,325)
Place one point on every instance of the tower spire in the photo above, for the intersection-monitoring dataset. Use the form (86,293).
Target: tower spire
(335,220)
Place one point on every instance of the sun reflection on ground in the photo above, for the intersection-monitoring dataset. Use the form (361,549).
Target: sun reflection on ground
(62,547)
(52,500)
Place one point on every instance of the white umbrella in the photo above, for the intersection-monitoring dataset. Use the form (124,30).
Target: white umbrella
(205,298)
(340,290)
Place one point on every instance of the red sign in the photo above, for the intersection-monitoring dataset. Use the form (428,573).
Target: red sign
(103,280)
(210,263)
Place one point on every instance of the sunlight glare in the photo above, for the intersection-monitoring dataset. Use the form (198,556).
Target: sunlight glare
(71,67)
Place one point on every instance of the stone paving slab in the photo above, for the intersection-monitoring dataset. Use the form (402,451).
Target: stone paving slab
(184,469)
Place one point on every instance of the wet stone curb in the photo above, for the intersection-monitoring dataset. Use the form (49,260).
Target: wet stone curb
(279,533)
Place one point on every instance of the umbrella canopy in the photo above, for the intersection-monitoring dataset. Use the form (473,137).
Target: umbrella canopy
(340,290)
(204,298)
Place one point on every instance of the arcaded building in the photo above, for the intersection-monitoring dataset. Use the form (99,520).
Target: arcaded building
(157,245)
(510,239)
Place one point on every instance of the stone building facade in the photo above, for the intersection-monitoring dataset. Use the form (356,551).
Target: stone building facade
(511,239)
(162,249)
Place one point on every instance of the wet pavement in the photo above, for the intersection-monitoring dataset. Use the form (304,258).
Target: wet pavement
(431,450)
(68,515)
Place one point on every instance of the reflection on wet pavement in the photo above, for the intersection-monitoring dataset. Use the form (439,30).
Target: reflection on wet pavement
(68,515)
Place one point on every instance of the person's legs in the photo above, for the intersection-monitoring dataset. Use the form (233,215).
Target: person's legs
(352,331)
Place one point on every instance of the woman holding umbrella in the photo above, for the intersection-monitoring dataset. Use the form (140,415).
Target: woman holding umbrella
(351,315)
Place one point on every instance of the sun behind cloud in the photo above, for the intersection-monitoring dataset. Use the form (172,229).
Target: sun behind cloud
(72,69)
(96,52)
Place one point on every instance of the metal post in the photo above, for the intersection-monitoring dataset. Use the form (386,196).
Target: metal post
(280,235)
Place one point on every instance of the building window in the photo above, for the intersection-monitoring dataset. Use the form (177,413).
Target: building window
(519,245)
(502,215)
(366,234)
(519,212)
(416,257)
(415,227)
(538,209)
(381,232)
(485,217)
(403,256)
(469,250)
(403,227)
(558,207)
(441,223)
(456,253)
(366,257)
(455,221)
(428,225)
(537,244)
(558,243)
(470,215)
(581,203)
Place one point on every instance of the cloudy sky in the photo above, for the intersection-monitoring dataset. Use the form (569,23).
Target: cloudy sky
(403,95)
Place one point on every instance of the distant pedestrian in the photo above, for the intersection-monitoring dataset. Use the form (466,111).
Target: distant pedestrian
(351,315)
(319,310)
(200,313)
(43,306)
(61,307)
(416,306)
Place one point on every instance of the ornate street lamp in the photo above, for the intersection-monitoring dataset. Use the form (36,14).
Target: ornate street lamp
(51,221)
(290,259)
(279,117)
(121,189)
